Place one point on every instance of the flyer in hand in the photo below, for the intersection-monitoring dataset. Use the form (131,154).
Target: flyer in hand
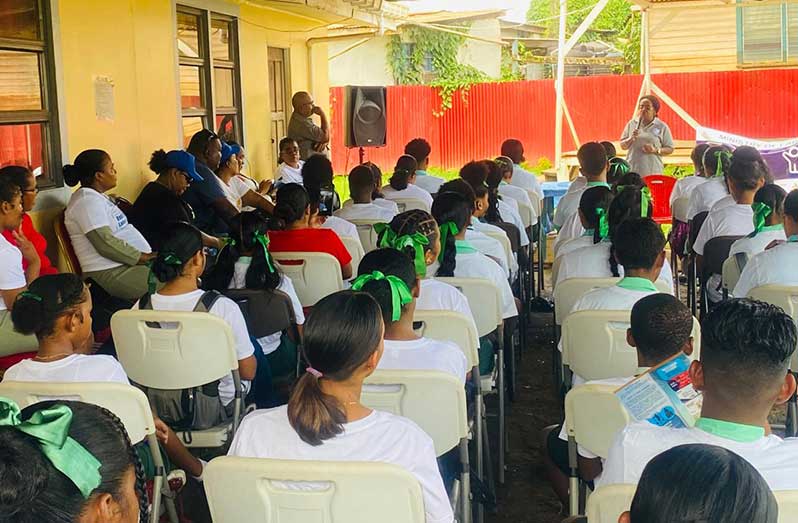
(664,395)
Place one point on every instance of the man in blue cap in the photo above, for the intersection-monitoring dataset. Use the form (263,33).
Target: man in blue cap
(160,201)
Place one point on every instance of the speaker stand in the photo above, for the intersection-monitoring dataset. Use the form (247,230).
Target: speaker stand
(362,154)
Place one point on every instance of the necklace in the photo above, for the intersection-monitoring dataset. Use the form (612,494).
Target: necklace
(52,356)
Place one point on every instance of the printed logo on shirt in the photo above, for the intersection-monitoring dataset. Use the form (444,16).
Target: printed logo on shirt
(121,219)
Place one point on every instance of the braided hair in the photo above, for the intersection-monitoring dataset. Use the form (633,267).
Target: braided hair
(496,170)
(412,222)
(626,205)
(455,208)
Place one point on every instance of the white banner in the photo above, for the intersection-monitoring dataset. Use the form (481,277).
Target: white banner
(781,156)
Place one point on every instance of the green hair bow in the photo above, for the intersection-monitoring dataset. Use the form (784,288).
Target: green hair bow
(603,223)
(720,155)
(646,199)
(400,292)
(761,213)
(447,229)
(263,240)
(169,259)
(389,238)
(50,429)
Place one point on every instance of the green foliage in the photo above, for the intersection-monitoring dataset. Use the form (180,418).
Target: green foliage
(507,74)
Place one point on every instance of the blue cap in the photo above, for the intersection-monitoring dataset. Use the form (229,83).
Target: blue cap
(228,151)
(184,162)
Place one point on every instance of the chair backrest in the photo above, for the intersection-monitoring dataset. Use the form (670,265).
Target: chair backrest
(788,505)
(661,188)
(266,312)
(355,250)
(126,401)
(716,251)
(502,238)
(527,213)
(368,236)
(314,274)
(450,326)
(593,416)
(484,299)
(434,400)
(512,232)
(695,226)
(606,504)
(255,491)
(679,209)
(786,297)
(189,348)
(555,269)
(537,203)
(410,204)
(568,292)
(732,268)
(594,344)
(65,250)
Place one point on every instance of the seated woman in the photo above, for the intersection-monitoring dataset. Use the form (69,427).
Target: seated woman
(500,208)
(160,202)
(389,276)
(57,310)
(362,206)
(458,257)
(245,263)
(698,482)
(401,183)
(100,479)
(240,195)
(593,211)
(291,229)
(317,176)
(324,419)
(768,210)
(24,178)
(289,169)
(598,260)
(110,250)
(179,266)
(519,194)
(241,183)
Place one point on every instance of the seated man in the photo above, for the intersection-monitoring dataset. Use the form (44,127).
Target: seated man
(661,328)
(361,187)
(420,149)
(745,353)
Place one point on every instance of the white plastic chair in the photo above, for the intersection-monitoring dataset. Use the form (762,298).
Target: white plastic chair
(355,249)
(593,416)
(259,491)
(436,402)
(680,208)
(732,268)
(788,505)
(485,301)
(128,403)
(410,204)
(368,236)
(502,238)
(594,344)
(190,350)
(606,504)
(314,274)
(528,216)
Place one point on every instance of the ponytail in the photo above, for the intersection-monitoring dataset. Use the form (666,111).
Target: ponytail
(412,233)
(405,168)
(389,277)
(452,211)
(495,177)
(37,309)
(448,256)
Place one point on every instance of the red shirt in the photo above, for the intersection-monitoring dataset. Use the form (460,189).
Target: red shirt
(310,240)
(38,241)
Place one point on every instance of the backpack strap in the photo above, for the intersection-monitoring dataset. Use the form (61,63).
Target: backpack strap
(206,301)
(145,302)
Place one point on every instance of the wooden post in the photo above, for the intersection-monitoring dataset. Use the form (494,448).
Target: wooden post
(558,85)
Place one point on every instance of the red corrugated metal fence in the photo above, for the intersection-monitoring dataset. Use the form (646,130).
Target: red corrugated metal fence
(757,104)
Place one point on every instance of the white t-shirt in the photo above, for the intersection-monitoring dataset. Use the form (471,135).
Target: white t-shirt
(88,210)
(486,228)
(490,247)
(424,354)
(379,437)
(12,276)
(518,194)
(412,191)
(232,193)
(271,342)
(726,201)
(224,308)
(342,228)
(429,183)
(287,174)
(776,459)
(77,368)
(703,197)
(568,206)
(573,244)
(751,246)
(508,209)
(477,265)
(380,202)
(572,228)
(439,296)
(593,261)
(734,220)
(685,186)
(776,266)
(526,180)
(366,211)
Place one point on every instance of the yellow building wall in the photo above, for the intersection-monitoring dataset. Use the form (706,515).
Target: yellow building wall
(694,39)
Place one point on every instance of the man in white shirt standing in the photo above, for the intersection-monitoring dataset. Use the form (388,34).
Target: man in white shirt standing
(745,353)
(777,265)
(514,150)
(420,149)
(13,278)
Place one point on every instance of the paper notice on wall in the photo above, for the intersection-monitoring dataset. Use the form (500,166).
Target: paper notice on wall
(104,98)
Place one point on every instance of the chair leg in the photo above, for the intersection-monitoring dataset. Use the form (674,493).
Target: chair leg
(488,465)
(478,443)
(573,478)
(465,482)
(171,510)
(501,387)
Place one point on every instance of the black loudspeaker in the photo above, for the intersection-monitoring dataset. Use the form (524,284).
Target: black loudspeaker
(365,123)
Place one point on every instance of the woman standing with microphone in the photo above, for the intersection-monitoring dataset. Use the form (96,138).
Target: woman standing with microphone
(647,139)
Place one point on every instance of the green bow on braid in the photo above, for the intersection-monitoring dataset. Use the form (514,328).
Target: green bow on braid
(389,238)
(720,155)
(761,213)
(603,223)
(446,229)
(400,292)
(50,429)
(646,199)
(169,259)
(263,240)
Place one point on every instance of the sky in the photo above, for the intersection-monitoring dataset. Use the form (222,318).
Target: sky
(516,9)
